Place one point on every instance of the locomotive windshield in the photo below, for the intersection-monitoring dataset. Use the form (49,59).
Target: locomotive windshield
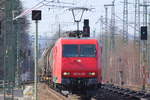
(84,50)
(70,50)
(87,51)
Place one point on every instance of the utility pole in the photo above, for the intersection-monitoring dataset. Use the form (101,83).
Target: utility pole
(59,31)
(112,30)
(125,21)
(106,40)
(9,50)
(18,58)
(101,28)
(137,33)
(112,27)
(137,21)
(106,19)
(112,40)
(16,27)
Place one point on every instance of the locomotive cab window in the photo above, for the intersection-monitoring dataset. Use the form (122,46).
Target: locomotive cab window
(87,50)
(84,50)
(70,50)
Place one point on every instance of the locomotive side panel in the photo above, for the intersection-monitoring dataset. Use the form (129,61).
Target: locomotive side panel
(57,63)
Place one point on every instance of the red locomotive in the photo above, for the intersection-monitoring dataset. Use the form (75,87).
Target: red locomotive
(75,62)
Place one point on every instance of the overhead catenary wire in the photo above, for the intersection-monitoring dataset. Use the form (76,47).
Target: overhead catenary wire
(29,10)
(59,2)
(118,20)
(128,23)
(39,5)
(52,5)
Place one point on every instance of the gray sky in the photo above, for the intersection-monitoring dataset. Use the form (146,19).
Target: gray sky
(52,16)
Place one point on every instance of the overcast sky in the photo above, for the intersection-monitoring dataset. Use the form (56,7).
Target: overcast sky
(52,16)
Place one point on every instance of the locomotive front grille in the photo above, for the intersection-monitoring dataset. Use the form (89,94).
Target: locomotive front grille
(88,81)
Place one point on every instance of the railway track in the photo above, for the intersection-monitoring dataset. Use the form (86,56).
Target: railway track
(57,95)
(111,92)
(106,92)
(127,93)
(74,95)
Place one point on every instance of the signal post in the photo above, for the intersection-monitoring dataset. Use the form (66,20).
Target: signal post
(143,44)
(36,15)
(143,39)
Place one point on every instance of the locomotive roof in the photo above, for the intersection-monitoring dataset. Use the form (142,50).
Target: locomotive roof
(77,38)
(69,40)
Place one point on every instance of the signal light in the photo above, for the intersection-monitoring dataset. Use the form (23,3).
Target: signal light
(36,14)
(143,32)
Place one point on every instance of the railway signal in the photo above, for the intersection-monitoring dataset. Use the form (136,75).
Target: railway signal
(36,15)
(144,52)
(143,32)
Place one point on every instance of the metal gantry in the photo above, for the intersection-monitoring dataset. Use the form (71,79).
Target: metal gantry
(112,24)
(112,40)
(109,40)
(125,21)
(137,21)
(106,39)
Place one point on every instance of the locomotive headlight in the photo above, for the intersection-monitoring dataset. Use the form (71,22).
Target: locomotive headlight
(66,73)
(47,78)
(92,73)
(79,60)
